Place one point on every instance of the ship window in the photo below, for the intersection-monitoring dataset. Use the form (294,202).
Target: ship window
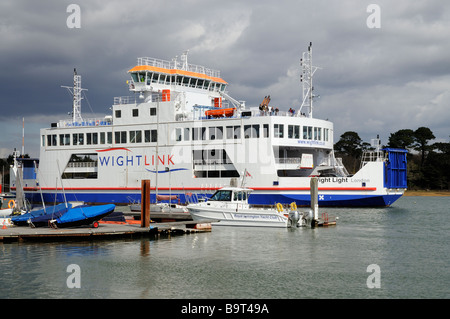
(317,133)
(149,77)
(109,138)
(120,137)
(102,138)
(216,133)
(162,79)
(135,112)
(293,131)
(152,111)
(198,133)
(118,113)
(325,134)
(251,131)
(134,77)
(141,77)
(155,77)
(135,136)
(233,132)
(78,139)
(307,132)
(43,140)
(186,133)
(91,138)
(278,130)
(206,84)
(266,130)
(51,140)
(239,196)
(150,136)
(64,139)
(178,134)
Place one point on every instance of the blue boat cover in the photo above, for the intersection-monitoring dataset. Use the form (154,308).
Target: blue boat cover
(41,212)
(84,212)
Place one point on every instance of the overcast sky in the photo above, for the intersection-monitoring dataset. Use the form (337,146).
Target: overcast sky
(372,80)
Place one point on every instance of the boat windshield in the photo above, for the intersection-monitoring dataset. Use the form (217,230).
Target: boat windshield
(221,195)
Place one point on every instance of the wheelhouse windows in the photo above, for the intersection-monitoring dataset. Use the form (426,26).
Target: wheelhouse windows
(222,195)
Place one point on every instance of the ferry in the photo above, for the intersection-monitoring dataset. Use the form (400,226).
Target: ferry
(182,130)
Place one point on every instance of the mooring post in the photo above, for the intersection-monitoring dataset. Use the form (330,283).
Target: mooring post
(314,192)
(145,203)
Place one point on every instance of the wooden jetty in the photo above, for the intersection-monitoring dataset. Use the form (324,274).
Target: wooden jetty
(107,230)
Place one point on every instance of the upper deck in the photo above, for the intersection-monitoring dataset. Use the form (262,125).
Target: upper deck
(152,74)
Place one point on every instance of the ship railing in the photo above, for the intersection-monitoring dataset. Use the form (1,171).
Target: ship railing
(179,65)
(372,156)
(212,162)
(121,100)
(285,160)
(81,164)
(86,122)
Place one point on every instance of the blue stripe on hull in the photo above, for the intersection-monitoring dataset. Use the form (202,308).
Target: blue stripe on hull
(328,200)
(259,199)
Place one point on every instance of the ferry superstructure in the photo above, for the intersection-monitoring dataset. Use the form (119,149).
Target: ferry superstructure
(183,132)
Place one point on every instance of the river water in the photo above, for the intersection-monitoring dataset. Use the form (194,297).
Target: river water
(396,252)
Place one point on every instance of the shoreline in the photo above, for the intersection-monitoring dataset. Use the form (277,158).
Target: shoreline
(426,193)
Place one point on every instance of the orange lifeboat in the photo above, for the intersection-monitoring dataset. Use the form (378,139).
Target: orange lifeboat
(219,112)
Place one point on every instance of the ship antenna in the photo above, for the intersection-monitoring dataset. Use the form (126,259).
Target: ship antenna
(76,93)
(306,78)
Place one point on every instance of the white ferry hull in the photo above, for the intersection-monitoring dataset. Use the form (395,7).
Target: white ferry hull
(180,132)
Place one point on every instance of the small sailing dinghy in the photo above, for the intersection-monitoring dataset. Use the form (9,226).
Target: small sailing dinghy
(72,217)
(25,219)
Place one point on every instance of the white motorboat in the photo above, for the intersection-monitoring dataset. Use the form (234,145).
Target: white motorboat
(229,206)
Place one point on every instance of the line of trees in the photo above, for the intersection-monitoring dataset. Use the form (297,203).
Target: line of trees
(428,163)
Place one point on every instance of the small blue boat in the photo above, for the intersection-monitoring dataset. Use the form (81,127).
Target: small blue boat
(22,220)
(83,215)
